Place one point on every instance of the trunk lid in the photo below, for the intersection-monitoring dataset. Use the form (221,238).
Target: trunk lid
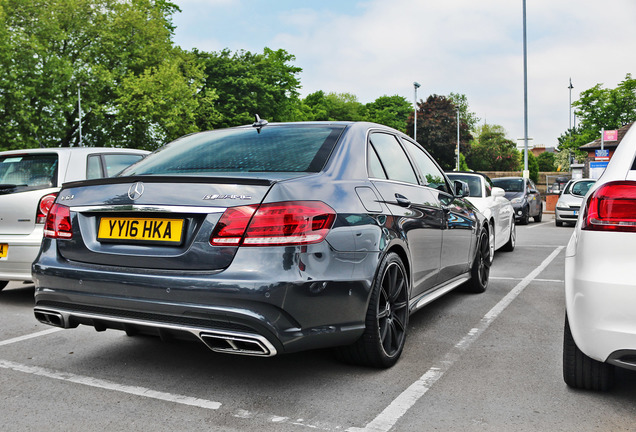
(154,222)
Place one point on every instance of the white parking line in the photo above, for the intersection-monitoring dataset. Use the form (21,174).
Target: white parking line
(30,336)
(108,385)
(391,414)
(534,225)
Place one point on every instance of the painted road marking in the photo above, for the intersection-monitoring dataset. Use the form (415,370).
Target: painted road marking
(400,405)
(109,385)
(30,336)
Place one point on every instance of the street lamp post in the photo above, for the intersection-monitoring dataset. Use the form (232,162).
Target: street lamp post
(457,138)
(570,87)
(526,173)
(416,85)
(79,109)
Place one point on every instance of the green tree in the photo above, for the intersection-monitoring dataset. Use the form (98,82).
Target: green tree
(105,48)
(492,151)
(546,162)
(334,107)
(243,84)
(437,130)
(392,111)
(599,108)
(467,116)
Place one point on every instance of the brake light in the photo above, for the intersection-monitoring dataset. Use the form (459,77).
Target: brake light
(231,227)
(58,223)
(45,204)
(612,207)
(274,224)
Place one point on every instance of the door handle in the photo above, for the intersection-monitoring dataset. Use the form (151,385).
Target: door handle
(402,201)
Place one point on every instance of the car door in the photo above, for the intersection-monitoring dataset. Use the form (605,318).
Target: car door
(459,215)
(418,215)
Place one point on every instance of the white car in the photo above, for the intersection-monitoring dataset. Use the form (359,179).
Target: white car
(490,202)
(569,204)
(600,288)
(29,182)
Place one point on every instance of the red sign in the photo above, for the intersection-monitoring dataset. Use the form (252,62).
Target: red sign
(610,135)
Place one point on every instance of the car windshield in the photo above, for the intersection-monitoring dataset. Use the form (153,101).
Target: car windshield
(474,184)
(27,172)
(581,188)
(509,185)
(288,148)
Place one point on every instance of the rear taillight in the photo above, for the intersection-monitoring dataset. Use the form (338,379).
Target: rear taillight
(46,202)
(274,224)
(612,207)
(58,223)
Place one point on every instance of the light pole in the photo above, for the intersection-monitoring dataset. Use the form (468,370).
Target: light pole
(526,173)
(457,139)
(79,109)
(570,87)
(416,85)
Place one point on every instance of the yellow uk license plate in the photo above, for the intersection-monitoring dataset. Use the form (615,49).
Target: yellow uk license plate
(140,230)
(4,249)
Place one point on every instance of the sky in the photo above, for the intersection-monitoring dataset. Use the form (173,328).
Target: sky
(373,48)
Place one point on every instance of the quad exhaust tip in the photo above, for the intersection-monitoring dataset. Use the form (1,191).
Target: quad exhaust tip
(49,317)
(233,344)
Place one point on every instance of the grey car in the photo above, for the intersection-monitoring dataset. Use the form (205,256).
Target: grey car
(29,182)
(569,204)
(265,239)
(524,197)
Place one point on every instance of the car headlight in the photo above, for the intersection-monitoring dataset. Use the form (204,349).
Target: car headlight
(516,200)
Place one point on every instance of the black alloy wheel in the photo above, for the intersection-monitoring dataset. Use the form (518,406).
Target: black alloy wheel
(480,271)
(387,318)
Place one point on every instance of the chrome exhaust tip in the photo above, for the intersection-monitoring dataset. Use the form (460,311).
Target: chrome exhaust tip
(52,318)
(241,344)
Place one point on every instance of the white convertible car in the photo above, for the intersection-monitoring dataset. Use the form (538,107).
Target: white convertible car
(490,201)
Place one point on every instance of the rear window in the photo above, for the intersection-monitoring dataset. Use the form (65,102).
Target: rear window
(509,185)
(288,148)
(28,172)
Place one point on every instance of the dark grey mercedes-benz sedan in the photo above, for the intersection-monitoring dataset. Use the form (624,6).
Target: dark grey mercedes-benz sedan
(265,239)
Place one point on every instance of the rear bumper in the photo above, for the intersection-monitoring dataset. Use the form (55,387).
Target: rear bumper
(600,295)
(22,251)
(269,304)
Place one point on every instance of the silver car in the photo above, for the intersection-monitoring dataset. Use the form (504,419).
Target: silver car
(29,182)
(569,203)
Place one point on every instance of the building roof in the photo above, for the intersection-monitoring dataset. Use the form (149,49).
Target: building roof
(596,144)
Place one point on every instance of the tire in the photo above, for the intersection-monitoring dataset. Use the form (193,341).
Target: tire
(525,216)
(386,320)
(3,284)
(480,271)
(512,240)
(581,371)
(538,217)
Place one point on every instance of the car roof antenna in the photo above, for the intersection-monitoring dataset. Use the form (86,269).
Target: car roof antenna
(259,123)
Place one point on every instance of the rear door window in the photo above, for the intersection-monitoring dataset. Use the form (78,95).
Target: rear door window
(394,161)
(28,171)
(109,164)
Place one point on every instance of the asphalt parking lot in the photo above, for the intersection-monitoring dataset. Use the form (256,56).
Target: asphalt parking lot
(487,362)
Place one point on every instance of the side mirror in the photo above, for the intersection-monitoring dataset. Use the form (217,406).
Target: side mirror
(498,192)
(461,189)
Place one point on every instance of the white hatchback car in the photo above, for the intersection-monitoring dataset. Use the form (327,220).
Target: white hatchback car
(490,202)
(600,288)
(29,182)
(569,204)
